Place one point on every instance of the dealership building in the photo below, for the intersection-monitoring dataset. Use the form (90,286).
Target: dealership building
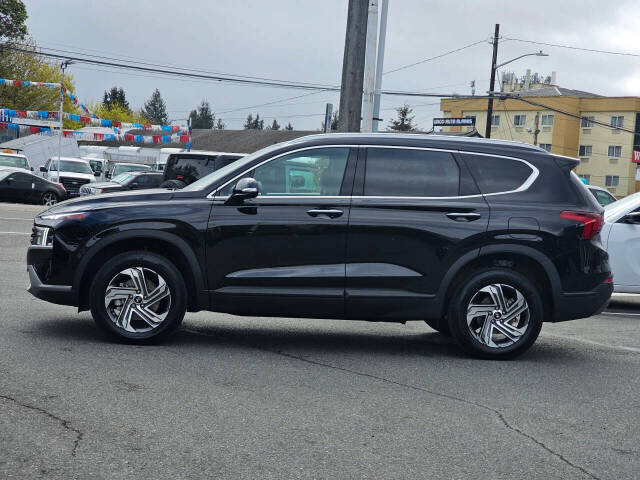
(606,151)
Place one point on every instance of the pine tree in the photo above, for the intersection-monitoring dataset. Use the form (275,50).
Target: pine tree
(404,123)
(334,121)
(220,125)
(203,118)
(155,109)
(248,124)
(254,123)
(116,96)
(275,125)
(289,126)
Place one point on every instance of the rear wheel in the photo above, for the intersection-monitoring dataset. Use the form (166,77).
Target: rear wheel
(496,314)
(138,297)
(49,199)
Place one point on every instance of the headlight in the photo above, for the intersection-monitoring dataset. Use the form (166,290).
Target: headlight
(64,216)
(41,236)
(95,191)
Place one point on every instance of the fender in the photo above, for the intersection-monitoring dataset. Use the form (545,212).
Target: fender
(176,241)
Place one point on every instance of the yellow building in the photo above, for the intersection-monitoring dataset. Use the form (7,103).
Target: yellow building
(605,152)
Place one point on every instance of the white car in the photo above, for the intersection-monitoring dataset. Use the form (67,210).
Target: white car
(73,173)
(621,238)
(14,160)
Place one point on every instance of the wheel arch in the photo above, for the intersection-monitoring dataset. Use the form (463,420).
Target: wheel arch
(176,249)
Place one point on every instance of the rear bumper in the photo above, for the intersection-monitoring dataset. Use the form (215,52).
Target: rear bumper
(570,306)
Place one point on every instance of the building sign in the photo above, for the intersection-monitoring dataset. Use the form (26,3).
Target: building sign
(636,141)
(636,156)
(454,122)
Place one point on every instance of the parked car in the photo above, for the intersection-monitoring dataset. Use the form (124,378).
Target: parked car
(163,155)
(126,167)
(483,239)
(74,172)
(603,196)
(124,181)
(15,160)
(98,165)
(22,186)
(185,168)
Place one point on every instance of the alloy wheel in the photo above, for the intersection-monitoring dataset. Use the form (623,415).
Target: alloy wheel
(137,299)
(498,315)
(49,199)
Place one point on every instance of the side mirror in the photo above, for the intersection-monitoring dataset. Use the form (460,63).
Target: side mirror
(245,188)
(43,169)
(633,218)
(31,168)
(96,173)
(107,175)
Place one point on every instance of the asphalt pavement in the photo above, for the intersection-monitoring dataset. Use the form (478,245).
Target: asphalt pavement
(241,398)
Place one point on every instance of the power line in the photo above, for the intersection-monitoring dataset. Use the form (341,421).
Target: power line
(572,47)
(435,57)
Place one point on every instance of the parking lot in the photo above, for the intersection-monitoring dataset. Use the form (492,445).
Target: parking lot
(232,397)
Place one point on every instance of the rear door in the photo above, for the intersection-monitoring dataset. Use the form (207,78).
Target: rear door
(414,212)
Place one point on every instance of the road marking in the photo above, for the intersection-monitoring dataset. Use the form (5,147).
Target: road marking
(592,342)
(15,233)
(622,313)
(15,218)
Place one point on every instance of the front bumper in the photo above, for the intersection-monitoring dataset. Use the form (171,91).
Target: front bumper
(59,294)
(571,306)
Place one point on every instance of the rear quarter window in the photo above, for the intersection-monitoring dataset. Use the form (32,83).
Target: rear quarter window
(498,174)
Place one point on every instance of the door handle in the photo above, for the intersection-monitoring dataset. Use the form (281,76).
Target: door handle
(331,213)
(463,217)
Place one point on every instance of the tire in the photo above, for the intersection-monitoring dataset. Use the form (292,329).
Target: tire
(173,184)
(49,199)
(440,326)
(114,285)
(484,288)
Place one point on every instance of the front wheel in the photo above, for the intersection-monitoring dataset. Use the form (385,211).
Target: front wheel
(138,297)
(496,313)
(49,199)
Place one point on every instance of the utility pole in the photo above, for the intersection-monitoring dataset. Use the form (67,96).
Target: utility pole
(63,66)
(370,66)
(492,82)
(384,9)
(537,129)
(353,66)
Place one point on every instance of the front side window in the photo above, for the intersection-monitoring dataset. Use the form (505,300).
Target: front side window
(392,172)
(519,120)
(317,172)
(546,120)
(611,180)
(617,121)
(614,151)
(587,122)
(604,198)
(497,174)
(585,150)
(546,146)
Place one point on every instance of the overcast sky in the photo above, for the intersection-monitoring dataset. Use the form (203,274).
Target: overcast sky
(303,40)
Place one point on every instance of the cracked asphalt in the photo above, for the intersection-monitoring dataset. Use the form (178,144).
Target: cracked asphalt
(231,397)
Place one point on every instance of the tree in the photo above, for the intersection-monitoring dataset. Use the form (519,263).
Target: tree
(115,96)
(13,14)
(117,113)
(155,109)
(289,126)
(404,122)
(248,124)
(254,123)
(203,117)
(275,125)
(334,121)
(220,125)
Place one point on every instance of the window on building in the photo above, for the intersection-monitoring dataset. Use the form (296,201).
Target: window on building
(546,146)
(519,120)
(617,121)
(586,178)
(587,122)
(495,120)
(585,150)
(611,180)
(546,120)
(615,151)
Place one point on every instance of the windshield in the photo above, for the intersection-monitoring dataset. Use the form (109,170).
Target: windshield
(239,164)
(11,161)
(123,177)
(71,167)
(129,168)
(616,208)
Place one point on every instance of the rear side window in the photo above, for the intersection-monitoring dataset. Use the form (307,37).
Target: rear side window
(188,168)
(398,172)
(497,174)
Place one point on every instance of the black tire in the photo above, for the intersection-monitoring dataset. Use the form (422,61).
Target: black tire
(49,198)
(465,292)
(147,260)
(439,325)
(173,184)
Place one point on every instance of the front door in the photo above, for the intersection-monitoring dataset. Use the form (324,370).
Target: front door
(283,252)
(414,212)
(18,187)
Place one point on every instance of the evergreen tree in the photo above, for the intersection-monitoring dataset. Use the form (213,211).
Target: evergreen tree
(289,126)
(275,125)
(220,125)
(155,109)
(404,122)
(13,14)
(115,96)
(248,124)
(254,123)
(203,117)
(335,118)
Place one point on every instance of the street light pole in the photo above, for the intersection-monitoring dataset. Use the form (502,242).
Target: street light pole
(487,132)
(63,66)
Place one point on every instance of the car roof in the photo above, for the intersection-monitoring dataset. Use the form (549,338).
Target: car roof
(206,152)
(13,154)
(128,164)
(69,159)
(145,173)
(595,187)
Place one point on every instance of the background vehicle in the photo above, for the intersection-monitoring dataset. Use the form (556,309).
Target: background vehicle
(485,240)
(14,160)
(74,172)
(603,196)
(161,162)
(19,185)
(126,167)
(187,167)
(124,181)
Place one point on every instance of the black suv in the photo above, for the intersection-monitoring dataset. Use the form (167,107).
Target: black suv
(185,168)
(483,239)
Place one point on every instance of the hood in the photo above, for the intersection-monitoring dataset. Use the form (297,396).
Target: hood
(110,200)
(106,185)
(83,176)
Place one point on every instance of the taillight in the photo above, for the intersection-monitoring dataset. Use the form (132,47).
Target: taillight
(592,222)
(61,186)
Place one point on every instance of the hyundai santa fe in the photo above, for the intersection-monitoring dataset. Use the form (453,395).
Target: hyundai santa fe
(484,240)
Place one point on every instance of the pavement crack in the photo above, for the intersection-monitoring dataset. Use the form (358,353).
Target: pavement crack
(65,423)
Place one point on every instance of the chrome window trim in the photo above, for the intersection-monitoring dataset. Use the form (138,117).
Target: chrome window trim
(525,185)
